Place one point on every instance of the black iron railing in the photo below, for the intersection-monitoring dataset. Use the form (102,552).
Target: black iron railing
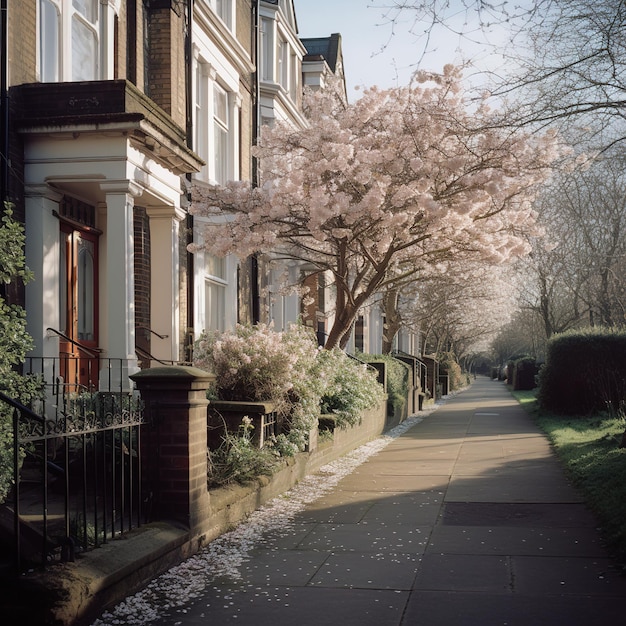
(77,461)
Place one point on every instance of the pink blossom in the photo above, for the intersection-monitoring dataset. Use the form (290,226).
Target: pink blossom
(407,175)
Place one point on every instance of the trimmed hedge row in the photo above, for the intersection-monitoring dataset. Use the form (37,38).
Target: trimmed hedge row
(523,374)
(584,372)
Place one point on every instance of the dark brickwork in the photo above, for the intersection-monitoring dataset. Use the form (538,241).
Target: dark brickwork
(166,69)
(141,227)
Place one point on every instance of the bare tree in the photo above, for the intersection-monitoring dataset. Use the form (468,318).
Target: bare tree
(568,56)
(575,275)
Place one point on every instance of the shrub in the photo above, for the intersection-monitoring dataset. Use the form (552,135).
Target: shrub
(524,374)
(397,380)
(258,364)
(352,388)
(448,362)
(14,343)
(238,460)
(584,372)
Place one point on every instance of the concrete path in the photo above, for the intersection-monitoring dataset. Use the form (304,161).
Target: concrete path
(466,519)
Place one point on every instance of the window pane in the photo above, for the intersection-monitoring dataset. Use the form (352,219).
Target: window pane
(201,123)
(267,56)
(220,104)
(283,61)
(215,266)
(223,9)
(86,280)
(215,296)
(221,154)
(48,42)
(87,8)
(84,51)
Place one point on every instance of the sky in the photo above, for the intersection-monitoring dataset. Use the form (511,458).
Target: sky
(376,54)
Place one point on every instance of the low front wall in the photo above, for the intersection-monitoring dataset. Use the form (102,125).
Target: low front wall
(231,504)
(102,578)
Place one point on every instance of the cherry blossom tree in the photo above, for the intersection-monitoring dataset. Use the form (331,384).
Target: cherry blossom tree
(460,310)
(379,192)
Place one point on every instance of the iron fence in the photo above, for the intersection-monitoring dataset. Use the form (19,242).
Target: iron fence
(77,461)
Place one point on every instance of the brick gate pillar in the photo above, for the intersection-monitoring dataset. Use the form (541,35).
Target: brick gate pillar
(174,443)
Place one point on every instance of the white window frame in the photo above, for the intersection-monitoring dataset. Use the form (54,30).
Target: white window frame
(216,124)
(224,9)
(57,54)
(216,288)
(221,152)
(267,50)
(282,71)
(201,117)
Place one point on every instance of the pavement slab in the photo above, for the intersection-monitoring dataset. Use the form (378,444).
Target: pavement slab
(465,519)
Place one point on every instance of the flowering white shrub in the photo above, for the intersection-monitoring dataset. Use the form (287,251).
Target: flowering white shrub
(258,364)
(352,388)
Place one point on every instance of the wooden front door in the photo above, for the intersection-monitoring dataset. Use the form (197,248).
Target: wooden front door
(78,347)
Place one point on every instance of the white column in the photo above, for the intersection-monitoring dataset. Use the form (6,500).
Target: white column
(107,37)
(42,258)
(117,293)
(164,281)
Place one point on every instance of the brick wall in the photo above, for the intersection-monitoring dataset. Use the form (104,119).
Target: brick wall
(141,228)
(22,46)
(166,73)
(22,41)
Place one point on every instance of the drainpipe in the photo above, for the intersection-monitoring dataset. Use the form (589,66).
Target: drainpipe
(4,104)
(189,332)
(256,125)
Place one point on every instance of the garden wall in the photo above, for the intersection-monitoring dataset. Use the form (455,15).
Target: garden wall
(186,514)
(175,445)
(231,504)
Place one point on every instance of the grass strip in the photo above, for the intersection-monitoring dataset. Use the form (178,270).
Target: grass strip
(589,449)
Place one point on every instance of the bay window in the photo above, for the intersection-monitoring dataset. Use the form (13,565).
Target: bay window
(69,40)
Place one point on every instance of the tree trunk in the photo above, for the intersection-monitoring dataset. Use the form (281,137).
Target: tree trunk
(393,319)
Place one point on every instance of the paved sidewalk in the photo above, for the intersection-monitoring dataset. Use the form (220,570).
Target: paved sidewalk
(466,519)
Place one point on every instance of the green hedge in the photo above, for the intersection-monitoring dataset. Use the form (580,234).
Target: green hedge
(524,374)
(584,372)
(448,365)
(397,380)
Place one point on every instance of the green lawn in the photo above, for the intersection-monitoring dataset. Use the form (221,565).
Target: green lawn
(589,449)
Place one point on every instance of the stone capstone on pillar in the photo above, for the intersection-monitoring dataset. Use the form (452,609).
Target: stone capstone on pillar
(174,443)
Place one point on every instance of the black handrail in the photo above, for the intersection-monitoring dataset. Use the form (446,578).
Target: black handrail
(152,331)
(92,352)
(144,354)
(20,407)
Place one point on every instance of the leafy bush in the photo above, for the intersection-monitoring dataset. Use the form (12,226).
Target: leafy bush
(524,374)
(258,364)
(255,363)
(448,362)
(351,388)
(397,379)
(238,460)
(584,372)
(14,343)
